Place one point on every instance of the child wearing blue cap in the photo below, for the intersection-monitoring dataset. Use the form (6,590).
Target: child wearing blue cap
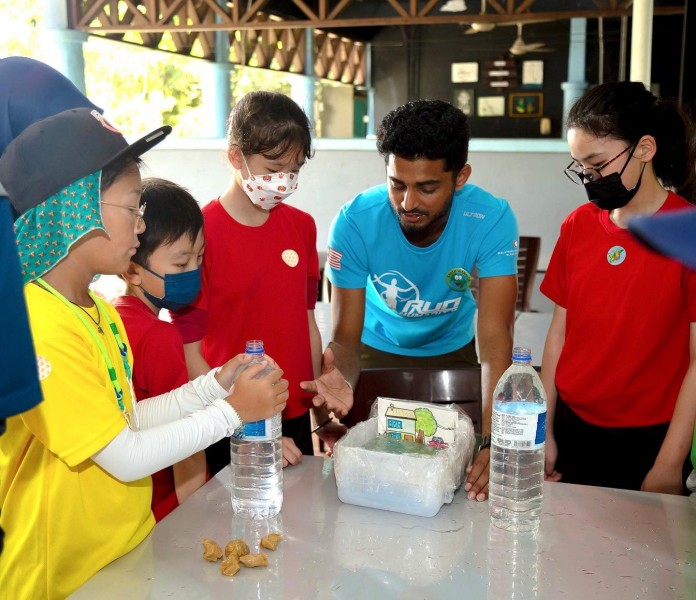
(29,91)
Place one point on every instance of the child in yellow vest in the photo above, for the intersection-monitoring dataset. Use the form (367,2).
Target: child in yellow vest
(75,487)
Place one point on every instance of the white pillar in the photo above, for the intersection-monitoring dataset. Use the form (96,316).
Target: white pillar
(63,45)
(215,82)
(641,41)
(302,86)
(576,84)
(371,125)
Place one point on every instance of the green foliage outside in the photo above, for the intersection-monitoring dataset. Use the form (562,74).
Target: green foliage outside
(247,79)
(20,23)
(425,421)
(138,88)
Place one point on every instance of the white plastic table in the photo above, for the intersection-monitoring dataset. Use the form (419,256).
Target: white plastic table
(592,543)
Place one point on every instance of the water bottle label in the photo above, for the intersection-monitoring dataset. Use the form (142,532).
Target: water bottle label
(518,431)
(255,431)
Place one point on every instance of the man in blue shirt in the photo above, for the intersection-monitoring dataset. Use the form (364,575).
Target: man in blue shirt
(401,256)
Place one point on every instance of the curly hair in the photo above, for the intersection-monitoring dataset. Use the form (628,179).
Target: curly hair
(430,129)
(626,111)
(271,124)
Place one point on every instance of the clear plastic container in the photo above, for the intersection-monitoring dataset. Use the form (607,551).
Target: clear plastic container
(414,484)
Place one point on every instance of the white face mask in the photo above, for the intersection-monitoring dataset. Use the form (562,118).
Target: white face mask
(267,191)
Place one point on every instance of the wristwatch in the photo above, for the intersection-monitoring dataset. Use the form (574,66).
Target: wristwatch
(485,442)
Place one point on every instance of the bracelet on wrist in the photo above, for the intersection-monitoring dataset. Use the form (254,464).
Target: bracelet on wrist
(485,442)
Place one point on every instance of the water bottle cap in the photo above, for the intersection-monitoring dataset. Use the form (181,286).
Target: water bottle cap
(254,347)
(521,354)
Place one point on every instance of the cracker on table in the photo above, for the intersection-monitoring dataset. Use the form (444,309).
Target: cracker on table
(254,560)
(270,541)
(211,550)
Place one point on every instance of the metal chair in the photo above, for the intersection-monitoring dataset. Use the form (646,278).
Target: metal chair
(461,386)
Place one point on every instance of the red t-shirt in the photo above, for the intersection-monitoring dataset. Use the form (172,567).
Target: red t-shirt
(258,284)
(159,366)
(626,348)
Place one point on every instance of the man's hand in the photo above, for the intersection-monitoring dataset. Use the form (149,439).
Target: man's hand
(330,434)
(332,390)
(550,456)
(477,476)
(663,481)
(291,453)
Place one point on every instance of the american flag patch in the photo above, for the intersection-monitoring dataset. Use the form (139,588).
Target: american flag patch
(334,259)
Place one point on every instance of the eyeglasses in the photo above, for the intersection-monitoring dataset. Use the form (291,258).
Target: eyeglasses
(580,177)
(138,212)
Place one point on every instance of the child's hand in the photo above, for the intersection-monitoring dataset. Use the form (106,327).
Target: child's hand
(256,399)
(228,373)
(291,453)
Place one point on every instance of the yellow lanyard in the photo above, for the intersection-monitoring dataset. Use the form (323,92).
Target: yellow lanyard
(129,416)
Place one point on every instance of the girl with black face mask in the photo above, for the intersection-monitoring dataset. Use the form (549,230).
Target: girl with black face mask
(619,364)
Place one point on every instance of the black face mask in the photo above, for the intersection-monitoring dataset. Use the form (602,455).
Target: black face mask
(609,192)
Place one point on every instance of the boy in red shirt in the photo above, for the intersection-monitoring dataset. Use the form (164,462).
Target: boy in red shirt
(164,273)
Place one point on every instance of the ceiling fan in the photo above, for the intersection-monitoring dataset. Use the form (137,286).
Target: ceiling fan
(520,47)
(477,27)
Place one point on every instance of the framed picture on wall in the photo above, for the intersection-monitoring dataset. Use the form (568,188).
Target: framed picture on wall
(532,73)
(463,99)
(466,72)
(490,106)
(526,104)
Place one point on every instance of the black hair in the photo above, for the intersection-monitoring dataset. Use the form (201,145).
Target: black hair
(430,129)
(112,171)
(171,213)
(625,110)
(271,124)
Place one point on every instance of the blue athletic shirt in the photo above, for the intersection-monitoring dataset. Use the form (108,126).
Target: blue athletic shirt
(418,301)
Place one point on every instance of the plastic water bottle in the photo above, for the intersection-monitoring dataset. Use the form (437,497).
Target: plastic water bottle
(256,459)
(517,446)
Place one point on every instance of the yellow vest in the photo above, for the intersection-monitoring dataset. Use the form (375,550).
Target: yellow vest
(64,517)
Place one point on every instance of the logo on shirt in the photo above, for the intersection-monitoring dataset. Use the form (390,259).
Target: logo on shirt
(290,257)
(616,255)
(458,279)
(403,297)
(44,366)
(334,257)
(514,251)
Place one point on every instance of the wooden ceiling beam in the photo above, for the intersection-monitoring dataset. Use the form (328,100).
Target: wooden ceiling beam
(248,20)
(311,15)
(337,9)
(398,8)
(524,6)
(497,7)
(427,8)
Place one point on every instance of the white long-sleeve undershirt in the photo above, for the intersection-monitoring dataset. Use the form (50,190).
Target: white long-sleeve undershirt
(172,426)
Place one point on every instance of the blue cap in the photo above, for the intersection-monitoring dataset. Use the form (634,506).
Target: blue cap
(670,233)
(31,90)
